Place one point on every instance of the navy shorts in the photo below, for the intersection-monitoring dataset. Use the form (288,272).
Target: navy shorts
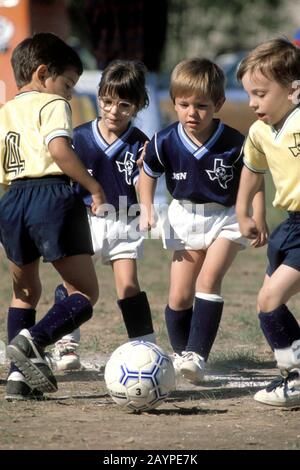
(284,244)
(43,217)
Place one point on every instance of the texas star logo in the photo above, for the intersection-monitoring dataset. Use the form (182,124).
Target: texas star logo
(221,172)
(126,166)
(296,148)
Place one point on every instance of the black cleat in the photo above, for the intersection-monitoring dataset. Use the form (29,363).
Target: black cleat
(31,362)
(18,390)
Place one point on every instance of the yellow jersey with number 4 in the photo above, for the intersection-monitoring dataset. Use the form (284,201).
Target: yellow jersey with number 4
(280,152)
(27,124)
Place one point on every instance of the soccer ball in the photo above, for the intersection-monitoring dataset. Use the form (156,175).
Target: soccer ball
(139,375)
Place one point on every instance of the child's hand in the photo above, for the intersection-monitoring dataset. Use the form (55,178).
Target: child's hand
(139,162)
(248,228)
(147,219)
(98,200)
(263,234)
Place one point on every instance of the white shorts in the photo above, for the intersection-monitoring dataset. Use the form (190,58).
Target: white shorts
(190,226)
(116,237)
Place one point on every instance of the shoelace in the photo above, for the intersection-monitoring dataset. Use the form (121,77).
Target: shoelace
(64,347)
(281,381)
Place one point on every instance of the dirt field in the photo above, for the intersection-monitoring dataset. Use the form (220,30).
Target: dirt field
(221,414)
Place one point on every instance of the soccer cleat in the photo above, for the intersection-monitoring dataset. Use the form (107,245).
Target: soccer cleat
(18,389)
(177,360)
(192,367)
(31,362)
(282,391)
(64,355)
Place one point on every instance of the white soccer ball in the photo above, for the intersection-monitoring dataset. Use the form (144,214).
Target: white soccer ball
(139,375)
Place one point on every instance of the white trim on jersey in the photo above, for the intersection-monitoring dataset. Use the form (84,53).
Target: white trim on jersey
(109,149)
(57,133)
(205,147)
(276,133)
(149,172)
(254,169)
(156,151)
(199,152)
(98,137)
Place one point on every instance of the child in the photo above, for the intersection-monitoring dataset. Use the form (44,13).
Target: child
(40,213)
(270,75)
(200,157)
(110,148)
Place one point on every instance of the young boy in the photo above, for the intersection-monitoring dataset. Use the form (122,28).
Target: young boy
(270,75)
(110,148)
(40,213)
(201,159)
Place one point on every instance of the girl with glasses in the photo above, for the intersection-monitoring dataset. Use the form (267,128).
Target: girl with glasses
(111,149)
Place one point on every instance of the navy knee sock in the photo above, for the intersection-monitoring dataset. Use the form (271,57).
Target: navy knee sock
(62,318)
(178,325)
(280,327)
(136,315)
(205,324)
(17,320)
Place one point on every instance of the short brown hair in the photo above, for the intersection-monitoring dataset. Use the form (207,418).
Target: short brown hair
(125,79)
(277,59)
(43,48)
(197,76)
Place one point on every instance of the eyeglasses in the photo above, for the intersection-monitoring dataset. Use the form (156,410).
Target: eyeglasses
(123,107)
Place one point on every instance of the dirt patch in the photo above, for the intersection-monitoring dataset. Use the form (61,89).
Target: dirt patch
(221,414)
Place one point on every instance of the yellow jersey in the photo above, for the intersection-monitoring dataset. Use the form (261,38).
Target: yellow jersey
(279,151)
(27,124)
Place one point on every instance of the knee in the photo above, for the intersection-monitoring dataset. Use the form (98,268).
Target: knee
(209,285)
(180,301)
(28,295)
(268,299)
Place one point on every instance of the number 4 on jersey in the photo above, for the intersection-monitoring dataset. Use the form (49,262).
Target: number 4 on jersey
(12,158)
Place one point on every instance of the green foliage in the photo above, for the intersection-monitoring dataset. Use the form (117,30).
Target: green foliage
(211,27)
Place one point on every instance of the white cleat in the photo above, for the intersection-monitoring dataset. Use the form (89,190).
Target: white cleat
(282,391)
(192,367)
(64,356)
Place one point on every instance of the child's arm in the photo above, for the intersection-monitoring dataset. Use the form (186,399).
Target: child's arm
(139,163)
(147,187)
(250,184)
(259,215)
(71,165)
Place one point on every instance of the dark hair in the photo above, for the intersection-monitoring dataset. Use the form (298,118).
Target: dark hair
(198,76)
(125,79)
(43,48)
(277,59)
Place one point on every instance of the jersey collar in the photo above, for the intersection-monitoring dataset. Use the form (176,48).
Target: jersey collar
(199,152)
(109,149)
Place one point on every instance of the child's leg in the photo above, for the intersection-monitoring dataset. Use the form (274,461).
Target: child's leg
(132,302)
(26,293)
(282,332)
(208,305)
(80,279)
(185,268)
(65,354)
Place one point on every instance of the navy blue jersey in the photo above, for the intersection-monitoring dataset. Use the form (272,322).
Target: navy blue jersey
(209,173)
(113,166)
